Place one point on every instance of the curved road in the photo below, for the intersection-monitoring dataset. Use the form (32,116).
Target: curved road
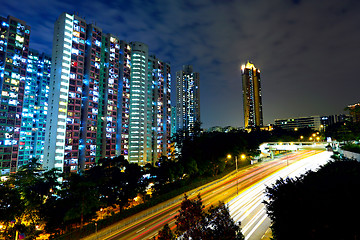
(242,190)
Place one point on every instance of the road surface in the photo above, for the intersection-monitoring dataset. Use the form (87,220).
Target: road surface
(248,208)
(242,190)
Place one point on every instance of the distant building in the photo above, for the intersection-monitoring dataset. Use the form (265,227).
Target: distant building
(316,123)
(173,120)
(187,99)
(223,129)
(333,119)
(312,122)
(251,84)
(355,112)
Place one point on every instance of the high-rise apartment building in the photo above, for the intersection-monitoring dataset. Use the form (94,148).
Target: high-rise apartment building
(139,120)
(84,95)
(101,98)
(14,50)
(65,98)
(187,99)
(160,80)
(24,84)
(35,107)
(124,101)
(251,85)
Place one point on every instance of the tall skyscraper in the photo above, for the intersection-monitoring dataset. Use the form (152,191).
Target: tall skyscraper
(251,84)
(187,99)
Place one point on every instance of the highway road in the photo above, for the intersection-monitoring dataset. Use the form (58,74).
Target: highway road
(242,190)
(248,208)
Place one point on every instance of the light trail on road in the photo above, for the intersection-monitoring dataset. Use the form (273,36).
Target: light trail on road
(248,208)
(147,224)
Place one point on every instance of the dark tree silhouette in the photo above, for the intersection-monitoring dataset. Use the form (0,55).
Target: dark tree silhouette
(194,223)
(190,214)
(165,233)
(218,224)
(317,205)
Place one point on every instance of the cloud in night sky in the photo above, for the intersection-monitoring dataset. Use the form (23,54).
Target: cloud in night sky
(308,51)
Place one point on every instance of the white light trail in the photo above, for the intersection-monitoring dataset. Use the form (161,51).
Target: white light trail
(248,208)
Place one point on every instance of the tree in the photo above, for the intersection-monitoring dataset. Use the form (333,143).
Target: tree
(194,223)
(11,207)
(82,199)
(34,186)
(190,214)
(317,205)
(165,233)
(218,224)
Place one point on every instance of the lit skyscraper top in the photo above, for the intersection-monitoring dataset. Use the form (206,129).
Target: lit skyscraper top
(251,96)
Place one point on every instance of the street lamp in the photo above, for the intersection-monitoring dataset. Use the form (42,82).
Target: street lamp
(236,164)
(237,180)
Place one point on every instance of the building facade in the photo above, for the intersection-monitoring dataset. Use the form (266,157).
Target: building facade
(187,99)
(139,120)
(35,107)
(160,78)
(102,98)
(252,98)
(85,96)
(312,122)
(316,123)
(24,83)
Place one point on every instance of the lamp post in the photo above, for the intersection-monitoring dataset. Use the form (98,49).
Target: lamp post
(237,185)
(236,164)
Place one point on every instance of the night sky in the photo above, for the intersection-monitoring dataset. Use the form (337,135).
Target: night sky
(308,51)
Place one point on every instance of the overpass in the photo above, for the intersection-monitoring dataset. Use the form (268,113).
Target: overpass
(268,148)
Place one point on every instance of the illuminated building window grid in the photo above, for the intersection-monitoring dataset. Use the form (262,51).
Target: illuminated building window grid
(112,95)
(90,131)
(32,133)
(14,41)
(137,109)
(125,115)
(72,137)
